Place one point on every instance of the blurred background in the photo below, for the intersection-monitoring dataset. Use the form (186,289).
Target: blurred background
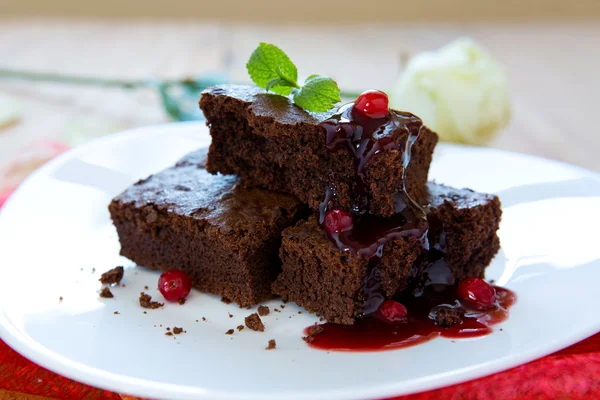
(550,50)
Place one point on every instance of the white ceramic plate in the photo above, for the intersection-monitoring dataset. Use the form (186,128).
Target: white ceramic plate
(56,230)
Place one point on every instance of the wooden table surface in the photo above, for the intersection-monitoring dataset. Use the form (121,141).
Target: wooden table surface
(553,68)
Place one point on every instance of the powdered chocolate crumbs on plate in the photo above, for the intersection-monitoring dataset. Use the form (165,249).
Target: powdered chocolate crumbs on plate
(272,345)
(240,327)
(146,302)
(112,276)
(169,333)
(263,310)
(177,330)
(229,332)
(254,322)
(105,293)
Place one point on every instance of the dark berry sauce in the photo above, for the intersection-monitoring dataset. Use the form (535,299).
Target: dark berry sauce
(434,309)
(372,334)
(364,137)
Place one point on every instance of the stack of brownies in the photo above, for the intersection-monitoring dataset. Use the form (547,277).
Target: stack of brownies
(332,211)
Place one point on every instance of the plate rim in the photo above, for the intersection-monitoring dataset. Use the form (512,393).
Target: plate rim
(103,379)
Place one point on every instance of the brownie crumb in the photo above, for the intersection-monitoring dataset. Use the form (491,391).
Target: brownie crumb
(263,310)
(146,301)
(272,345)
(230,315)
(181,301)
(112,276)
(93,270)
(229,332)
(225,300)
(254,322)
(168,328)
(177,330)
(146,287)
(276,310)
(299,312)
(203,319)
(445,316)
(123,285)
(116,313)
(60,298)
(312,332)
(282,306)
(105,293)
(169,333)
(240,327)
(147,313)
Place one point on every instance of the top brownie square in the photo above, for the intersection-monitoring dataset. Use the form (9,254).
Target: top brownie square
(272,143)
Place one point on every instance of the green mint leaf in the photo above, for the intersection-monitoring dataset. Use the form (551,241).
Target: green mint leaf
(269,62)
(280,86)
(318,94)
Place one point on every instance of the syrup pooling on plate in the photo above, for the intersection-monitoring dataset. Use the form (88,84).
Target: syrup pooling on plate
(372,334)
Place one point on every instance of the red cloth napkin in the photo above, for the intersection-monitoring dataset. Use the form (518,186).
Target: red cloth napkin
(572,373)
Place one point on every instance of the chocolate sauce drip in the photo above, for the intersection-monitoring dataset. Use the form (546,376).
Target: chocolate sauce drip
(364,138)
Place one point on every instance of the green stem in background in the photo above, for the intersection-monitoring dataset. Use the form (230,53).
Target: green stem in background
(181,105)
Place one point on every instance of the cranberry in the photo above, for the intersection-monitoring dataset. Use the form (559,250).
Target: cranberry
(391,311)
(373,104)
(477,293)
(338,221)
(174,285)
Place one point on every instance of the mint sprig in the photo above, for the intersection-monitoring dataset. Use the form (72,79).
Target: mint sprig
(270,68)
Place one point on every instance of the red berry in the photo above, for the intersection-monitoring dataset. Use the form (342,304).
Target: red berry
(174,285)
(391,311)
(373,104)
(477,293)
(338,221)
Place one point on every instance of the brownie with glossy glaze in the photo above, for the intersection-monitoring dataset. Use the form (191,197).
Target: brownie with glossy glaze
(320,277)
(272,143)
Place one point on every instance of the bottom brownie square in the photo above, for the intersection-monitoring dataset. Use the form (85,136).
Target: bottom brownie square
(225,237)
(320,277)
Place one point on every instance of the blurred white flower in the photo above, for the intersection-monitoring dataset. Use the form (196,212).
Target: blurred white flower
(459,91)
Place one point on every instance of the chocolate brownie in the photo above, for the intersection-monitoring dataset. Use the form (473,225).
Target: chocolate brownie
(270,142)
(224,236)
(343,284)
